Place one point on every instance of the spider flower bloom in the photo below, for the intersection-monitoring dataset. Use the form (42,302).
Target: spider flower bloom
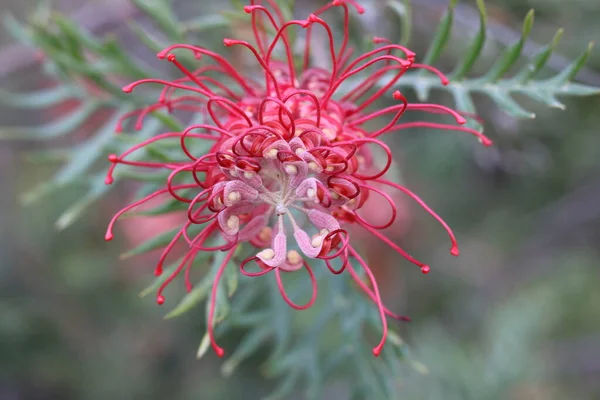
(290,161)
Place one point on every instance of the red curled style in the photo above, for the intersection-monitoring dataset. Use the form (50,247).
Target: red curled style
(266,269)
(388,162)
(390,202)
(332,239)
(284,294)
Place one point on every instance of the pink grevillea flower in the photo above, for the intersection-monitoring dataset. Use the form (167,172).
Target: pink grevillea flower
(291,161)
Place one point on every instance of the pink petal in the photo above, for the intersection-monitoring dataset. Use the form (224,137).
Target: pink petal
(305,244)
(252,179)
(246,192)
(300,169)
(297,143)
(323,220)
(279,145)
(252,228)
(233,211)
(308,183)
(280,250)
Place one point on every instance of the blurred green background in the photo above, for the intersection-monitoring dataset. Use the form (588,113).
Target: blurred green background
(516,316)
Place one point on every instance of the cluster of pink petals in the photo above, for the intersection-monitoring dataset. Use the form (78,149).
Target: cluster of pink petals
(291,162)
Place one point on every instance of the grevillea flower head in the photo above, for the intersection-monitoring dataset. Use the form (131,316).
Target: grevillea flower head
(291,161)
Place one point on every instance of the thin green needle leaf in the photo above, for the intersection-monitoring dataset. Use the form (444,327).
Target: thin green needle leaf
(54,129)
(147,38)
(190,300)
(511,54)
(509,105)
(571,71)
(540,60)
(204,346)
(157,242)
(476,46)
(249,344)
(441,37)
(97,190)
(16,29)
(161,279)
(39,99)
(205,23)
(404,11)
(162,13)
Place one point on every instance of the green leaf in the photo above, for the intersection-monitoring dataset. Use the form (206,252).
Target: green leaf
(509,105)
(147,38)
(249,318)
(162,13)
(237,4)
(97,189)
(16,29)
(55,129)
(122,63)
(476,46)
(168,121)
(149,177)
(158,281)
(540,60)
(249,344)
(571,71)
(158,153)
(511,54)
(577,89)
(157,242)
(285,387)
(204,346)
(404,11)
(205,23)
(39,99)
(72,39)
(202,289)
(546,98)
(464,103)
(190,300)
(37,193)
(169,206)
(45,156)
(492,84)
(87,153)
(231,277)
(222,306)
(441,37)
(71,30)
(222,309)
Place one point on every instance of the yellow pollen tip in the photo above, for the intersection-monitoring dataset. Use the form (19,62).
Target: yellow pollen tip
(233,222)
(266,234)
(267,254)
(293,257)
(234,196)
(271,154)
(291,169)
(317,241)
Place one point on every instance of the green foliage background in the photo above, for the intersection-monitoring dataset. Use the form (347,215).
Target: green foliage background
(515,317)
